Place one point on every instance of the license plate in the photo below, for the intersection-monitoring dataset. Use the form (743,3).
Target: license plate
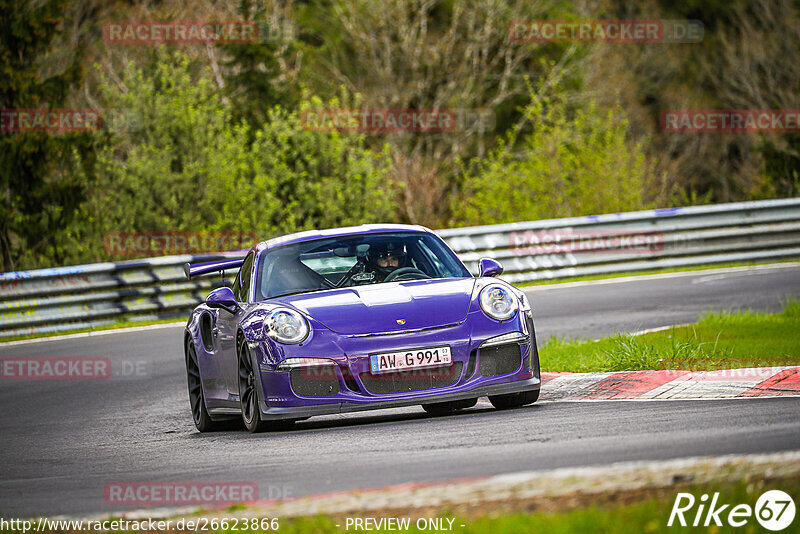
(410,359)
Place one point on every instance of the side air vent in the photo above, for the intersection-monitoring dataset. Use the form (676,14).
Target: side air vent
(206,333)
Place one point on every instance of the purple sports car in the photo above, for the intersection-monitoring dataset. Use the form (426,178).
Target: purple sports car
(360,318)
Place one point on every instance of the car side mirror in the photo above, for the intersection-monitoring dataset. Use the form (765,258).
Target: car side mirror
(490,267)
(222,297)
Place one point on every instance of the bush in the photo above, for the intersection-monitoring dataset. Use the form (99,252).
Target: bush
(180,163)
(568,164)
(303,179)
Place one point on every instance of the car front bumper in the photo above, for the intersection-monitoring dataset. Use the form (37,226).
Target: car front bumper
(300,412)
(278,399)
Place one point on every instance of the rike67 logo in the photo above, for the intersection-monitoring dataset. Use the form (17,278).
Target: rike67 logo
(774,510)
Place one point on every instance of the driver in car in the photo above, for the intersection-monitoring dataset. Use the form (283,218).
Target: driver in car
(385,258)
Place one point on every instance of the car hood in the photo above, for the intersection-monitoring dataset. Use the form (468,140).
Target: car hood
(388,307)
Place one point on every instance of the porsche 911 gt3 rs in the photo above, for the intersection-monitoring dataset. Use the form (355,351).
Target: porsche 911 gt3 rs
(359,318)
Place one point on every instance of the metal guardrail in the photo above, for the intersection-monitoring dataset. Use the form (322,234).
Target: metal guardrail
(86,296)
(635,241)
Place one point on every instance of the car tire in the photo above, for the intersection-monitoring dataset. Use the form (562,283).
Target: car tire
(248,396)
(197,400)
(514,400)
(446,408)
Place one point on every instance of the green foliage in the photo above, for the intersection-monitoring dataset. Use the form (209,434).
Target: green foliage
(432,54)
(253,71)
(40,188)
(570,163)
(228,150)
(182,164)
(164,169)
(316,179)
(781,167)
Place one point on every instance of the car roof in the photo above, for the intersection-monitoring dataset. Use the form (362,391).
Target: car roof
(311,235)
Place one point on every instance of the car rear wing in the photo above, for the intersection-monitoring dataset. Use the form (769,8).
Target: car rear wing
(196,269)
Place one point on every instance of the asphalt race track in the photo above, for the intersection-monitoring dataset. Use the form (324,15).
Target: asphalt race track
(63,441)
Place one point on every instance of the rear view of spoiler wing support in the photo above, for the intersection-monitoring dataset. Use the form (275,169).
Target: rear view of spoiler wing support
(196,269)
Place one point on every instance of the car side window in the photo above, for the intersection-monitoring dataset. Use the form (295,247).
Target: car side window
(242,284)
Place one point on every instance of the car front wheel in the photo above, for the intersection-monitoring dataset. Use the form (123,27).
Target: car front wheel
(197,400)
(248,396)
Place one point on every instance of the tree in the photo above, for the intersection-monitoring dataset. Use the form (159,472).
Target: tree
(756,65)
(170,165)
(184,164)
(430,54)
(747,59)
(255,75)
(569,164)
(316,179)
(40,190)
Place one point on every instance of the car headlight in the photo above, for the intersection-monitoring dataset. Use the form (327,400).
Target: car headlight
(286,326)
(498,302)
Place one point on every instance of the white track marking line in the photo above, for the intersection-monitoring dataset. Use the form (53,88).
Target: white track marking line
(657,329)
(661,276)
(94,333)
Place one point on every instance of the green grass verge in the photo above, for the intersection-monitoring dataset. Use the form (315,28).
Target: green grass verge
(689,268)
(718,341)
(645,511)
(111,326)
(648,515)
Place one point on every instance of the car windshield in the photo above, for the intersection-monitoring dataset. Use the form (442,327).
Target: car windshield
(358,260)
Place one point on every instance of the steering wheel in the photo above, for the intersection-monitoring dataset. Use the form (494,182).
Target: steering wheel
(405,271)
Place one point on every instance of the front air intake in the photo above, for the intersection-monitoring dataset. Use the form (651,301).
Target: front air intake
(315,381)
(414,380)
(499,360)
